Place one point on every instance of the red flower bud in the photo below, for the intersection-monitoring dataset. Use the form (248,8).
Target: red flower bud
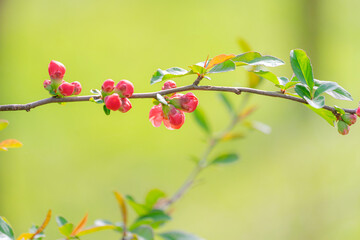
(350,119)
(156,115)
(343,128)
(108,86)
(56,70)
(125,105)
(168,85)
(113,102)
(124,88)
(66,89)
(47,85)
(174,118)
(77,87)
(358,111)
(186,103)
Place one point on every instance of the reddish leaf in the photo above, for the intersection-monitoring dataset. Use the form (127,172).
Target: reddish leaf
(80,226)
(219,59)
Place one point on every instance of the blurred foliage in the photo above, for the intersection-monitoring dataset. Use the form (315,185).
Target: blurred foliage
(74,156)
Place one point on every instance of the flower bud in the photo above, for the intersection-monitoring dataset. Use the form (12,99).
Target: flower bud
(66,89)
(358,111)
(56,70)
(125,105)
(47,85)
(168,85)
(174,118)
(113,102)
(77,87)
(343,128)
(350,119)
(108,86)
(124,88)
(186,103)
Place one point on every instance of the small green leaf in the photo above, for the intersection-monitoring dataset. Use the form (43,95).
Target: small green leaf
(267,61)
(201,120)
(162,75)
(318,102)
(302,68)
(154,218)
(153,197)
(6,231)
(106,110)
(178,235)
(3,124)
(324,87)
(95,91)
(223,67)
(61,221)
(325,114)
(302,91)
(225,99)
(244,58)
(146,232)
(94,229)
(283,81)
(337,93)
(197,69)
(225,158)
(339,110)
(268,75)
(140,209)
(161,99)
(66,229)
(33,230)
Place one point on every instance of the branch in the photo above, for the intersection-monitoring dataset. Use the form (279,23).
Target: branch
(236,90)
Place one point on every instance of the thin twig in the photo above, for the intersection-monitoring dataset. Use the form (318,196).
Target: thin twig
(236,90)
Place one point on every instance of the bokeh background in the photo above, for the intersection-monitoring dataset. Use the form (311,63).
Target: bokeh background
(300,182)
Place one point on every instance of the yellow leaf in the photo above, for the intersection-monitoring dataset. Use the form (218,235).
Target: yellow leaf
(25,236)
(219,59)
(95,229)
(122,205)
(43,225)
(80,226)
(10,143)
(3,124)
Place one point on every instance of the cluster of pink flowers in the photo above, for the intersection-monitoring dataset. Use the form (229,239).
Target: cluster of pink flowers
(172,114)
(57,86)
(346,120)
(116,97)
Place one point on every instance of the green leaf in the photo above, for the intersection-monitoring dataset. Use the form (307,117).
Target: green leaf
(153,197)
(140,209)
(283,81)
(95,91)
(337,93)
(324,87)
(302,68)
(201,120)
(61,221)
(197,69)
(339,110)
(98,100)
(302,91)
(178,235)
(66,229)
(318,102)
(106,110)
(146,232)
(154,218)
(244,58)
(223,67)
(227,102)
(267,61)
(6,231)
(268,75)
(3,124)
(33,230)
(162,75)
(325,114)
(161,99)
(225,158)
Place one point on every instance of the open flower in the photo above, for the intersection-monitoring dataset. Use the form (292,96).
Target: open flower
(172,117)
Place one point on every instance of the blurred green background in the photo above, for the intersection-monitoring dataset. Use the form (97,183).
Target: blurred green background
(299,182)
